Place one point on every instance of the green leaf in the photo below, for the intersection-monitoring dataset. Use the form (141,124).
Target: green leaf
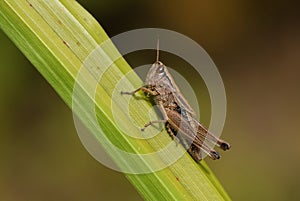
(57,37)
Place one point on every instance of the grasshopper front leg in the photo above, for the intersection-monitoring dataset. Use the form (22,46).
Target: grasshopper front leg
(143,88)
(152,93)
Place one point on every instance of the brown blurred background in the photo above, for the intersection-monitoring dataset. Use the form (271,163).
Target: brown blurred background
(256,46)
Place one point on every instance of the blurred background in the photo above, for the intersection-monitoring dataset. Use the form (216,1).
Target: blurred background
(256,46)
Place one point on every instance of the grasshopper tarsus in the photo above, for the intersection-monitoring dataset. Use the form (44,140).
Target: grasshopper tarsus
(130,92)
(126,92)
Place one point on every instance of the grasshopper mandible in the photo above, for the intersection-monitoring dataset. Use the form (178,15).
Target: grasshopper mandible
(178,116)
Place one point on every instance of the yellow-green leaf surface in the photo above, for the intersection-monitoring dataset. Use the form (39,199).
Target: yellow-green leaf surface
(57,37)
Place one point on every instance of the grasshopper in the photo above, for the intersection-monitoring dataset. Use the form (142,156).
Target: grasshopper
(178,116)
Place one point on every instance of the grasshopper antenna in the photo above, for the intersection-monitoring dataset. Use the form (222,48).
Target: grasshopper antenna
(157,50)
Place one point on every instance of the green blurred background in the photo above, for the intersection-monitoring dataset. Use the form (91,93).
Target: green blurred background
(256,46)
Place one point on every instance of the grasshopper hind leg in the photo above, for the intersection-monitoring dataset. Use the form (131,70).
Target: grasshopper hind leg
(195,149)
(196,153)
(175,136)
(171,132)
(224,145)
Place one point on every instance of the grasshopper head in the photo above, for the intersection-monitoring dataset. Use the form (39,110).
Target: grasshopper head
(157,71)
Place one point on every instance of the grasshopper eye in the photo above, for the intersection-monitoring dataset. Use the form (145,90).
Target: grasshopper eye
(160,70)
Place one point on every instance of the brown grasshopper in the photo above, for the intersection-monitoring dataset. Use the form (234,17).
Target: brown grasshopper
(178,116)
